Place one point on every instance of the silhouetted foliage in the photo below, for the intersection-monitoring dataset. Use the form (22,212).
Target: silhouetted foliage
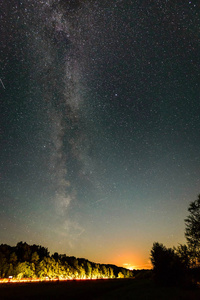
(180,264)
(168,267)
(192,231)
(184,254)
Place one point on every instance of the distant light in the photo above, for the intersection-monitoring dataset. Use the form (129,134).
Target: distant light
(129,267)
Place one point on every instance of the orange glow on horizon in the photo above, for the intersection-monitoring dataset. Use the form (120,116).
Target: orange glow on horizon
(132,262)
(137,267)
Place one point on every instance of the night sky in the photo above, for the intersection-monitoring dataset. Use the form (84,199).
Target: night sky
(99,125)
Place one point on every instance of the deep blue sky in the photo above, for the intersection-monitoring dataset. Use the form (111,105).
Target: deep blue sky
(99,124)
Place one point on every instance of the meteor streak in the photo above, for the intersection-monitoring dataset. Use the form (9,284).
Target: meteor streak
(2,84)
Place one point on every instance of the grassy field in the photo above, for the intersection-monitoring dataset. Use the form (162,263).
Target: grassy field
(95,289)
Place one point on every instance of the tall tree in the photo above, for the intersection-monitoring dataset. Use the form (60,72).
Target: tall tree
(192,231)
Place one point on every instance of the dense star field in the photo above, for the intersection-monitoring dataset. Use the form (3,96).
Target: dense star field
(99,125)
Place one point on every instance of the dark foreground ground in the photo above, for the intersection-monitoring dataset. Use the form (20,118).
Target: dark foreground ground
(95,289)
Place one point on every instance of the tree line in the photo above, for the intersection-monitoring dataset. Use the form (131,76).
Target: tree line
(34,261)
(180,265)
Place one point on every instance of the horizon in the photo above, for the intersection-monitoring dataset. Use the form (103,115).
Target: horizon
(125,265)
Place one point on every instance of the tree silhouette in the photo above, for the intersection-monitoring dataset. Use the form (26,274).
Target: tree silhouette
(192,231)
(168,267)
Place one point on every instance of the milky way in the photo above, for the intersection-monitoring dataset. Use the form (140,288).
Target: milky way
(43,42)
(99,125)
